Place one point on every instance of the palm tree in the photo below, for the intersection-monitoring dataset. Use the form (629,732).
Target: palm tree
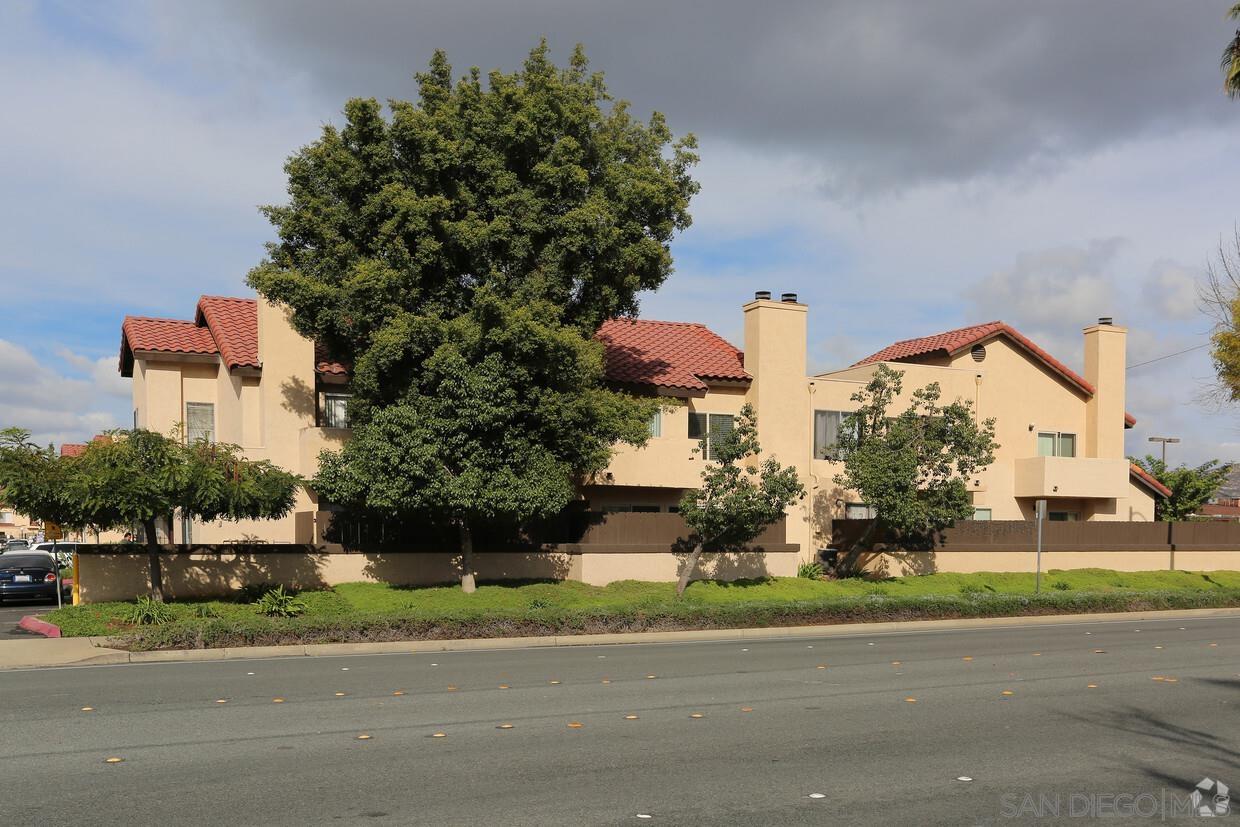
(1230,62)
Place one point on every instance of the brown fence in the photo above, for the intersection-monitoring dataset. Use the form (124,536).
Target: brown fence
(1001,535)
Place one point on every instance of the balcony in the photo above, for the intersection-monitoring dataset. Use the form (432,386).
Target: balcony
(1071,477)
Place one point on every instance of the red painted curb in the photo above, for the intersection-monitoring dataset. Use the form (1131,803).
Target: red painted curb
(32,624)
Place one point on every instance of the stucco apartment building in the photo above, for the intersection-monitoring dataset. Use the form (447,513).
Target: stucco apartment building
(239,373)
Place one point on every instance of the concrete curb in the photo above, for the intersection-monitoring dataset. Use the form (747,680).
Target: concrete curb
(40,627)
(27,654)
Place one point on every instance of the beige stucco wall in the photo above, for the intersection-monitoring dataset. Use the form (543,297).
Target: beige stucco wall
(1024,397)
(106,577)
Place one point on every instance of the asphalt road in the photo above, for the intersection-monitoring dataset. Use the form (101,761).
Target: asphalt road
(881,735)
(11,612)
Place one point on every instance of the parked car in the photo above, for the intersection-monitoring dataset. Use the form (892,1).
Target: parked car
(16,545)
(62,551)
(27,574)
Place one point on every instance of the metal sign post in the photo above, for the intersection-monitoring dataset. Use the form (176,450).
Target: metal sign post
(1039,515)
(56,562)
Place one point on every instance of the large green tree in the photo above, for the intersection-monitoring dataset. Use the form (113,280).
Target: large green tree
(507,412)
(527,185)
(1191,487)
(140,477)
(739,496)
(913,466)
(460,251)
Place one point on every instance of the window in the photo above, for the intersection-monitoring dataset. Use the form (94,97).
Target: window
(827,427)
(1063,516)
(711,426)
(981,513)
(1055,444)
(656,424)
(617,509)
(859,511)
(9,517)
(646,509)
(335,410)
(199,421)
(673,509)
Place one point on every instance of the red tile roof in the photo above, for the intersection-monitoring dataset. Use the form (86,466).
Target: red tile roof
(222,325)
(953,342)
(234,324)
(678,355)
(1146,477)
(142,333)
(323,362)
(72,449)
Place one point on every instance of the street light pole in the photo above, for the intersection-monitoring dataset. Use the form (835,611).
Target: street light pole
(1164,440)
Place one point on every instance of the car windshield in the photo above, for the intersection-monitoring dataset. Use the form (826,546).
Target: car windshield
(22,561)
(12,544)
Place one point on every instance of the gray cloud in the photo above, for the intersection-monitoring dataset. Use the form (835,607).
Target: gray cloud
(885,94)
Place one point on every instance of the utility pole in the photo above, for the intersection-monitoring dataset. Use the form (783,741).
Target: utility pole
(1164,440)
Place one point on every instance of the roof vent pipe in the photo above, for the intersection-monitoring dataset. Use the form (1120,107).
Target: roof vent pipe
(1105,320)
(791,298)
(762,295)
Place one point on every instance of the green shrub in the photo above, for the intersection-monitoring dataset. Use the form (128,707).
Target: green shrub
(148,612)
(810,571)
(205,611)
(540,603)
(1060,585)
(279,603)
(970,590)
(253,592)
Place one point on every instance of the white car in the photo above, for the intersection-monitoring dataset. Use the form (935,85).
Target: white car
(63,552)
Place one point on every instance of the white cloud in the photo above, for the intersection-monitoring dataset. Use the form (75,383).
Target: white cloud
(55,407)
(1172,289)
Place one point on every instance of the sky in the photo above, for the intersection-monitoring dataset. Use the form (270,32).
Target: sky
(905,167)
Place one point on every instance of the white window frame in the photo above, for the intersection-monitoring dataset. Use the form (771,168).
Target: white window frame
(1057,443)
(329,396)
(656,424)
(832,452)
(714,425)
(189,433)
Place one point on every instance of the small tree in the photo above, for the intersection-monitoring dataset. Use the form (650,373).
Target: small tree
(912,468)
(36,482)
(1190,487)
(141,477)
(739,496)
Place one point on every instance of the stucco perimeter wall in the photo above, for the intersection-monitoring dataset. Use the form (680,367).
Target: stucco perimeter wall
(601,569)
(897,564)
(199,574)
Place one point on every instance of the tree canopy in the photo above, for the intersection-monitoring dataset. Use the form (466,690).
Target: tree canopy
(461,251)
(1191,487)
(38,483)
(913,467)
(526,186)
(739,496)
(1230,61)
(140,477)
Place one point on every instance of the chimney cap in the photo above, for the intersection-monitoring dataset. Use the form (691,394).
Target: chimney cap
(762,295)
(1106,320)
(791,298)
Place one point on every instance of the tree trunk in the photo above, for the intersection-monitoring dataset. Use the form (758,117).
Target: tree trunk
(690,568)
(152,552)
(467,557)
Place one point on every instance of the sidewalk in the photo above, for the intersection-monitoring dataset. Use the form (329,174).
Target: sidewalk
(51,652)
